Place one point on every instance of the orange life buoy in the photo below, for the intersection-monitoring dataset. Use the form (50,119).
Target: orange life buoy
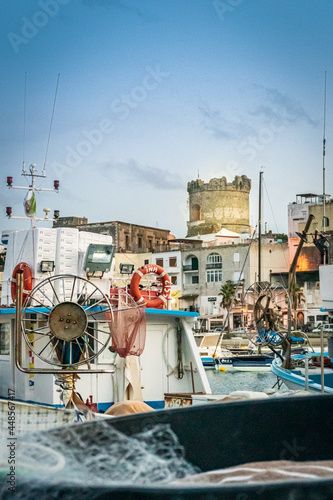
(135,290)
(27,281)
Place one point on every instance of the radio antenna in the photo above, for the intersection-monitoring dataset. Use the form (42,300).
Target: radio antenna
(24,113)
(48,139)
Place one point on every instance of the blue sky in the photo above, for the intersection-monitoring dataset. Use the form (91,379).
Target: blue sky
(153,93)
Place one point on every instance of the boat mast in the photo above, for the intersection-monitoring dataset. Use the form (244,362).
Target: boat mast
(259,229)
(324,172)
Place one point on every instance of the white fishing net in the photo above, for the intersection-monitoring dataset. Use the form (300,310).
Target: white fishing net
(30,417)
(90,455)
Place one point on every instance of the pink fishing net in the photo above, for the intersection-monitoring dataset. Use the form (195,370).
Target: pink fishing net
(128,331)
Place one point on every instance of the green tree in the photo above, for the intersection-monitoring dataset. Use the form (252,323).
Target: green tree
(227,291)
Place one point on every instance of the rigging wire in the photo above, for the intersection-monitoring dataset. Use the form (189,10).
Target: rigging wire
(276,227)
(48,139)
(24,120)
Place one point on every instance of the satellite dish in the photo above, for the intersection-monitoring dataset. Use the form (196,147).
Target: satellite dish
(46,210)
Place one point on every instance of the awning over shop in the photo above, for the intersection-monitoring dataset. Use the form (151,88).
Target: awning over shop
(189,296)
(210,316)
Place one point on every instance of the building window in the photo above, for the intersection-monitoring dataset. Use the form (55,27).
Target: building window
(4,338)
(127,242)
(173,262)
(214,258)
(139,242)
(236,257)
(174,280)
(150,244)
(214,261)
(195,212)
(214,276)
(191,264)
(236,276)
(159,262)
(195,280)
(146,261)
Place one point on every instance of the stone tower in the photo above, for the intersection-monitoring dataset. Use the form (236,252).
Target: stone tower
(218,204)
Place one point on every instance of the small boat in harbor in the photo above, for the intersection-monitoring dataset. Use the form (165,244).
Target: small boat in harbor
(306,372)
(312,371)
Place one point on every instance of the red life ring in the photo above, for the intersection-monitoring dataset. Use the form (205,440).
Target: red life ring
(135,290)
(27,281)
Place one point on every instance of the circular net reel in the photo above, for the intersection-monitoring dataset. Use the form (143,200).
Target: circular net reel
(266,302)
(73,325)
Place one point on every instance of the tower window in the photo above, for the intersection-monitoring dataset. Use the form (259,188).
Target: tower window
(196,212)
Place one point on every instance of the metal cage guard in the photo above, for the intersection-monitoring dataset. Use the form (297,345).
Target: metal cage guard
(18,341)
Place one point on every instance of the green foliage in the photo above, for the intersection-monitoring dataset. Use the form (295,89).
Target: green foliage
(227,291)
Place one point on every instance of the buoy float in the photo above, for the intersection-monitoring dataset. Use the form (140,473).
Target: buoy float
(135,282)
(27,281)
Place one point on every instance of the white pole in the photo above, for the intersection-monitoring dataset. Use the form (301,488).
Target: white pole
(322,357)
(306,372)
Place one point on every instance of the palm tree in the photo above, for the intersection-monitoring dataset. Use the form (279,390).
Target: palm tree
(228,297)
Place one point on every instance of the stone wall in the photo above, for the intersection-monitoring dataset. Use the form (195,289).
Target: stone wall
(218,204)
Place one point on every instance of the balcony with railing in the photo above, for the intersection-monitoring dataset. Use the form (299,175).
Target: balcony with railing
(214,265)
(190,267)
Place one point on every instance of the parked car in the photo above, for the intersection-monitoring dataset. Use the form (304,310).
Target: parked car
(306,328)
(327,328)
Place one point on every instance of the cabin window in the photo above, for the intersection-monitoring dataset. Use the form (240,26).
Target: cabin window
(5,338)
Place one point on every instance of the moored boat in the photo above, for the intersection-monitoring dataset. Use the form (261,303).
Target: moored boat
(67,337)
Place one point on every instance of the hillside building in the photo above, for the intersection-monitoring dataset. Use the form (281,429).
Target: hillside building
(128,238)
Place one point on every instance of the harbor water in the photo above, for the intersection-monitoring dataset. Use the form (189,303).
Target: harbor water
(227,382)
